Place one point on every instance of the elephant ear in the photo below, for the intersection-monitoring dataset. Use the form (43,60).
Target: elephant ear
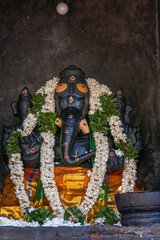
(14,108)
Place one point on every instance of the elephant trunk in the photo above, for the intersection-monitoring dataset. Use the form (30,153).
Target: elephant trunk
(71,121)
(68,136)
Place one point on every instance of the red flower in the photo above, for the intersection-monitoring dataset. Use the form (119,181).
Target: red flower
(24,91)
(119,92)
(72,78)
(111,153)
(32,150)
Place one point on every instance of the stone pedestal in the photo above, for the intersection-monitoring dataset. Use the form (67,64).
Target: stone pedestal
(139,208)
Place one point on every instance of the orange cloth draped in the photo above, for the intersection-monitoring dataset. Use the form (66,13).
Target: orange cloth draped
(72,183)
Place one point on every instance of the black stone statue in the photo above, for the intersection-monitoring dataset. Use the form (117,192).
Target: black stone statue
(72,146)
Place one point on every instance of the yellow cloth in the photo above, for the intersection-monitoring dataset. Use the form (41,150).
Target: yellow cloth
(109,188)
(72,183)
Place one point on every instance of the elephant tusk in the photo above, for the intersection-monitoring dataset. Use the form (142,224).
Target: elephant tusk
(83,125)
(58,122)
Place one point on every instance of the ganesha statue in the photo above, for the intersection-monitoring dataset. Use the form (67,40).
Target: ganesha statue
(72,134)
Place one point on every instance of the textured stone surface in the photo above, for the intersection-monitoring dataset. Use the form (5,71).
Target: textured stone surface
(113,41)
(82,233)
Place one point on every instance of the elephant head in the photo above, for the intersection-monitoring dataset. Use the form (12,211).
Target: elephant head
(72,103)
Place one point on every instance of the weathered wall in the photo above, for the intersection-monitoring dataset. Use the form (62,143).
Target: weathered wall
(113,41)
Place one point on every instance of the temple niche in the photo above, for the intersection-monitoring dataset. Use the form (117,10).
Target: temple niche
(58,74)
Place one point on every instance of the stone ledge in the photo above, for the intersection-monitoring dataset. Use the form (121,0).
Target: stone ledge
(83,233)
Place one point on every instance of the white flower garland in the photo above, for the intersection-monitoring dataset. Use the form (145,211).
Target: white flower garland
(96,90)
(17,177)
(129,173)
(47,153)
(47,173)
(97,174)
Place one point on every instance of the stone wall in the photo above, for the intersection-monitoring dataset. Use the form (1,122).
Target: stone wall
(113,41)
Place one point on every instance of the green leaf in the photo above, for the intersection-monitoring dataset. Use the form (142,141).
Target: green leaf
(127,149)
(108,213)
(109,105)
(13,144)
(74,213)
(46,122)
(38,215)
(37,101)
(103,209)
(98,122)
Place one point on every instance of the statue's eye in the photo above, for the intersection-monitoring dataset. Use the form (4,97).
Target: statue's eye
(82,88)
(61,87)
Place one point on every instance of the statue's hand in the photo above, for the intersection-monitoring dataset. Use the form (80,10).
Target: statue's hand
(134,133)
(8,130)
(30,146)
(115,163)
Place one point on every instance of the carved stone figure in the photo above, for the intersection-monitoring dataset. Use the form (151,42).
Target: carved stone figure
(75,123)
(72,103)
(72,138)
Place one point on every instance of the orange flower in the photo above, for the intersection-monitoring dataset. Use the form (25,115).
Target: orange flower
(24,91)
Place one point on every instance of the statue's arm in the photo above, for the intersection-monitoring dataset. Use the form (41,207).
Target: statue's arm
(30,146)
(116,163)
(116,158)
(19,109)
